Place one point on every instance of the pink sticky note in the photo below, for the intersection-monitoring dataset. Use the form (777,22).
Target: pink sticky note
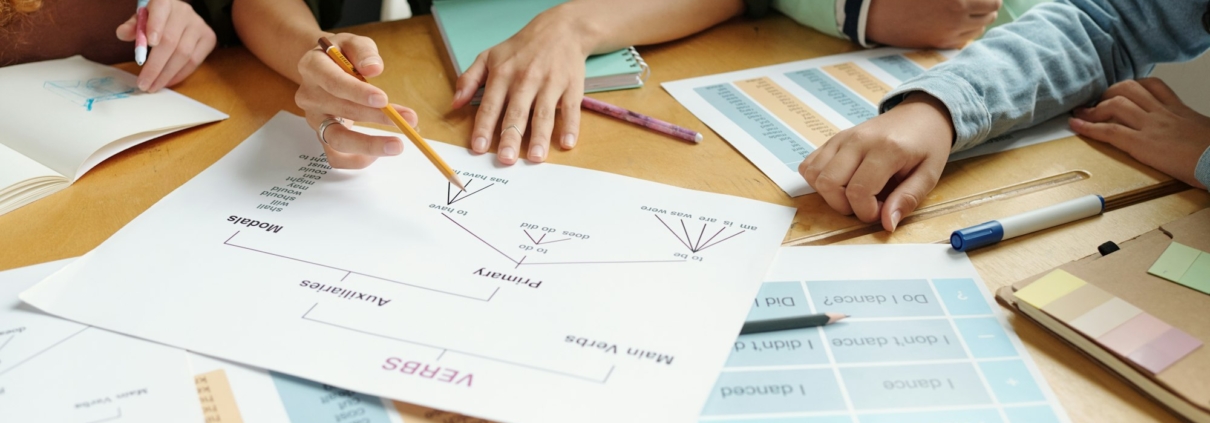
(1164,351)
(1134,333)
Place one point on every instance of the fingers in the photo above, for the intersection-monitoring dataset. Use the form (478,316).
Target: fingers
(1161,91)
(490,108)
(868,181)
(181,56)
(570,108)
(341,139)
(1135,92)
(1117,109)
(125,31)
(834,177)
(170,35)
(1115,134)
(321,102)
(543,121)
(318,70)
(362,52)
(516,116)
(909,194)
(158,13)
(469,82)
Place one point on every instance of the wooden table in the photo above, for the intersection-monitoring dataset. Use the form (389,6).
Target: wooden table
(74,221)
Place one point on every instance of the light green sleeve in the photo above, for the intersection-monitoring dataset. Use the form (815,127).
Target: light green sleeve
(820,15)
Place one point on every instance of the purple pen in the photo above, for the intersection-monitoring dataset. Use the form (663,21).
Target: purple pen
(642,120)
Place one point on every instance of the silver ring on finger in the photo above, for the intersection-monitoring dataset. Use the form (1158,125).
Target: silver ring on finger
(513,127)
(323,127)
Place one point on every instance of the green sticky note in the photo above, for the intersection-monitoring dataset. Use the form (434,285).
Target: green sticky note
(1198,275)
(1175,261)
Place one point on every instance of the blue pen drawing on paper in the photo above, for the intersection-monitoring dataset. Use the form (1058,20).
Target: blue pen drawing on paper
(88,93)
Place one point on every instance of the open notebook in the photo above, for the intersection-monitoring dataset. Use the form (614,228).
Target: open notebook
(62,117)
(471,26)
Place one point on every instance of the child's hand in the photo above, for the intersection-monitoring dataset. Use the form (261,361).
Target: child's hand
(902,151)
(179,39)
(929,23)
(1147,120)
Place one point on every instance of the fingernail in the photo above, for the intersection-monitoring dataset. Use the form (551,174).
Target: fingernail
(508,153)
(537,153)
(457,96)
(895,220)
(153,38)
(392,148)
(479,144)
(378,100)
(144,84)
(369,61)
(569,141)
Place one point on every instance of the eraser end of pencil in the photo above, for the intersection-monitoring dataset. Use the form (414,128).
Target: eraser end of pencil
(140,55)
(697,137)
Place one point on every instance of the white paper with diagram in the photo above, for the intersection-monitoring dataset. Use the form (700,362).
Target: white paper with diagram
(541,293)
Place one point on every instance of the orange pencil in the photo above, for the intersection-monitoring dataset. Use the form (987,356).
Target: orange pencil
(340,59)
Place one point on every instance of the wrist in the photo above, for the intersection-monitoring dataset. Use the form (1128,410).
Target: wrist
(930,112)
(574,20)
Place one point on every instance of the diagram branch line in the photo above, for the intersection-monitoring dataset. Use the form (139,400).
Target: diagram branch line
(724,239)
(457,199)
(678,237)
(466,353)
(6,341)
(683,228)
(350,272)
(607,262)
(531,237)
(449,200)
(35,355)
(479,238)
(698,244)
(720,230)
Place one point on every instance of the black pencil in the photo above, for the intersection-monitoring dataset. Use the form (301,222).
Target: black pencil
(793,322)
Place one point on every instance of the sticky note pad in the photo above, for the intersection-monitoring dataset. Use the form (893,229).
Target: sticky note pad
(1198,274)
(1105,317)
(1133,333)
(1049,288)
(1076,303)
(1165,350)
(1175,260)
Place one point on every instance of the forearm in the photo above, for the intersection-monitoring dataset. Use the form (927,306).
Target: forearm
(1057,57)
(278,32)
(608,25)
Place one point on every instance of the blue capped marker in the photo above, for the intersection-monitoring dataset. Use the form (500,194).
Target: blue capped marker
(988,233)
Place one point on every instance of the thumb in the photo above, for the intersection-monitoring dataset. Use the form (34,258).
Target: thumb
(906,197)
(363,53)
(125,31)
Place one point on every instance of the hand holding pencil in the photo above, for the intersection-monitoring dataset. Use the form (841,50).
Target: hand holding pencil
(333,52)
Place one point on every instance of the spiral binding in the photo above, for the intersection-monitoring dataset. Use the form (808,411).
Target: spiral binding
(637,58)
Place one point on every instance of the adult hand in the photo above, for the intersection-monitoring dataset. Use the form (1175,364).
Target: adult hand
(535,72)
(179,39)
(928,23)
(327,92)
(902,151)
(1147,120)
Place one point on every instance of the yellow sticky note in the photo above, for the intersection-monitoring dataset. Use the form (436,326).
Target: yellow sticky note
(1049,288)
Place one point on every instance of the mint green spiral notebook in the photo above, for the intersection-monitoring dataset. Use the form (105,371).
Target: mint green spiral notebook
(471,26)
